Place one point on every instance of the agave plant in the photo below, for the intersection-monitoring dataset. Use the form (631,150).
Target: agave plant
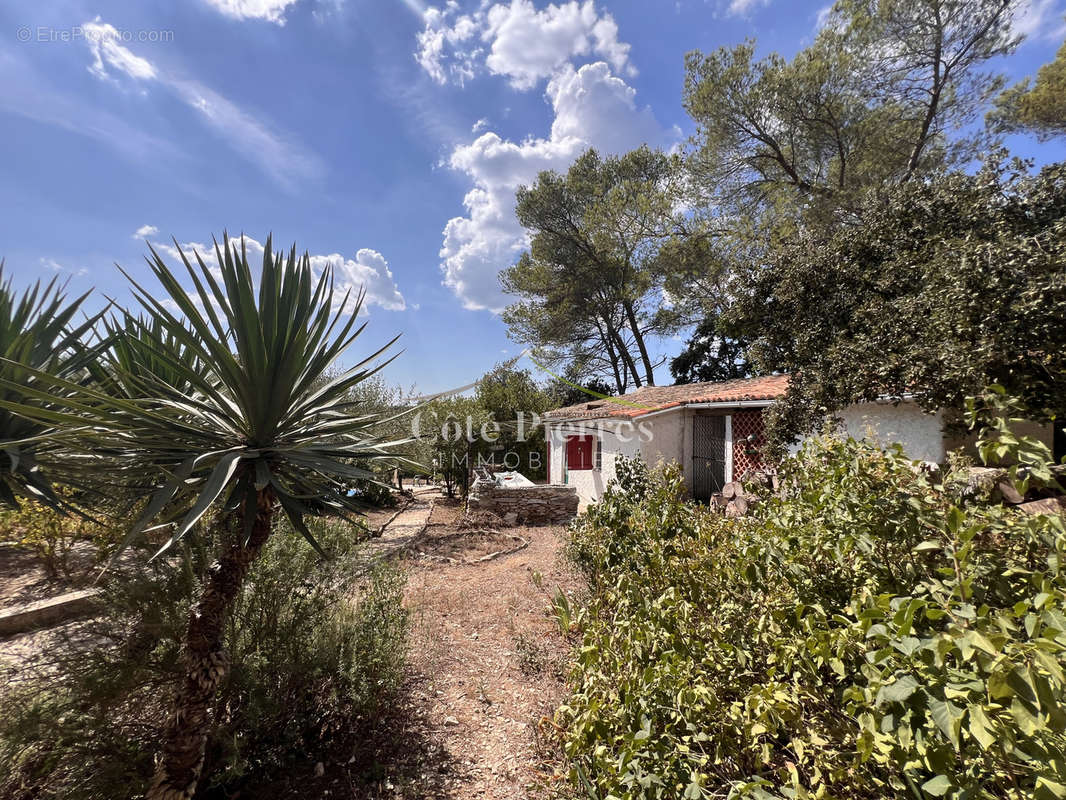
(224,393)
(39,340)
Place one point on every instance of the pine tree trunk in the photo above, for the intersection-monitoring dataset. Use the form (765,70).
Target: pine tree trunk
(206,661)
(634,326)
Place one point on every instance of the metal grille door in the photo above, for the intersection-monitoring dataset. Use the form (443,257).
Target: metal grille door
(708,456)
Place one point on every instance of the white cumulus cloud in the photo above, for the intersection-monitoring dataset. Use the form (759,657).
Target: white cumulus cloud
(517,41)
(593,108)
(145,231)
(269,10)
(528,45)
(368,270)
(446,45)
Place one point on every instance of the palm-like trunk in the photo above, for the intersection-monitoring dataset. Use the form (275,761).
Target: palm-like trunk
(206,661)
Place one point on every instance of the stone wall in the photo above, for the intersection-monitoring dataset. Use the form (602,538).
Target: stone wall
(534,505)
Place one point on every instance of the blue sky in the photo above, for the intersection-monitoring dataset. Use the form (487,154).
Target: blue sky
(384,137)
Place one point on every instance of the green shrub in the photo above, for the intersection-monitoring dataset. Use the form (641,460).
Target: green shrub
(867,634)
(48,533)
(316,649)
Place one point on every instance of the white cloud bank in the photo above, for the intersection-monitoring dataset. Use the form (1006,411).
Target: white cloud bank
(268,10)
(368,270)
(285,160)
(145,231)
(517,41)
(593,108)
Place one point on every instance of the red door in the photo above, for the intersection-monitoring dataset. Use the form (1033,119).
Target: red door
(579,452)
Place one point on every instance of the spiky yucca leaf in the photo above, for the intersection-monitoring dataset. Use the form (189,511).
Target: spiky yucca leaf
(142,355)
(39,340)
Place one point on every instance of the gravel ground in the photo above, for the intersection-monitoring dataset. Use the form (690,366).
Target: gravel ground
(486,669)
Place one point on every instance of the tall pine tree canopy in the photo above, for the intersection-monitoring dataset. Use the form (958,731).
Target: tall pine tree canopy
(790,153)
(589,290)
(1035,106)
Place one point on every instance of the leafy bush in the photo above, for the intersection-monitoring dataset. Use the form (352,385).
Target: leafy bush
(867,634)
(51,534)
(316,649)
(377,493)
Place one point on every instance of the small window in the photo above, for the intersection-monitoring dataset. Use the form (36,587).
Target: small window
(579,452)
(599,454)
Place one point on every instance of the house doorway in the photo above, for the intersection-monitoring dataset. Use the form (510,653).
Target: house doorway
(709,442)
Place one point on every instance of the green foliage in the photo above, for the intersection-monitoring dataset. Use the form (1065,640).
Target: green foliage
(50,533)
(450,432)
(1039,106)
(39,340)
(787,151)
(712,354)
(505,391)
(515,400)
(571,388)
(142,347)
(594,554)
(864,635)
(318,648)
(391,406)
(216,403)
(870,102)
(947,286)
(211,404)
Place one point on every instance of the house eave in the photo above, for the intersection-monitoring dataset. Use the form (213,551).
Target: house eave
(718,404)
(763,403)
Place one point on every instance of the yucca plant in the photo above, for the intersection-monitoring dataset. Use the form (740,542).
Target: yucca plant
(226,399)
(39,336)
(144,352)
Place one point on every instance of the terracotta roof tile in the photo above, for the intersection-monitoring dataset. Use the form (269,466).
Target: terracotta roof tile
(657,398)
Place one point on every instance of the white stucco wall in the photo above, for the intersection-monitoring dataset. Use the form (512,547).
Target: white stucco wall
(666,434)
(920,433)
(617,439)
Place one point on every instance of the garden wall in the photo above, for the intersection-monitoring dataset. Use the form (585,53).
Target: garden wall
(536,505)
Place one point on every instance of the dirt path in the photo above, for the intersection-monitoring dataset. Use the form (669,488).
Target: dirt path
(487,664)
(403,527)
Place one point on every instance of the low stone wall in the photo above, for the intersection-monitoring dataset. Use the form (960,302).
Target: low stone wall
(535,505)
(50,611)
